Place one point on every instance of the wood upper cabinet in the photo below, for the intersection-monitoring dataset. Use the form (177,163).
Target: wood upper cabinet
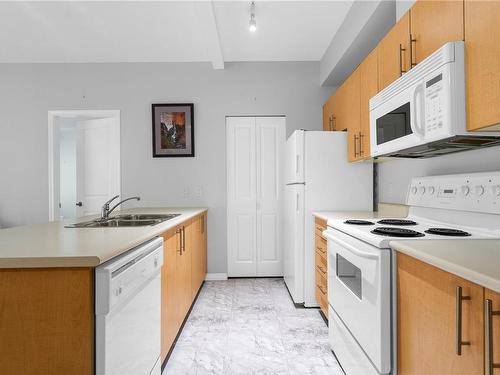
(368,83)
(328,114)
(349,115)
(492,332)
(393,52)
(429,321)
(433,23)
(482,64)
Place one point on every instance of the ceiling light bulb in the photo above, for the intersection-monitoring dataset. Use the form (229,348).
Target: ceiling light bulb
(252,25)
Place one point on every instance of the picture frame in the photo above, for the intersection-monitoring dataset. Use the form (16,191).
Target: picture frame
(173,130)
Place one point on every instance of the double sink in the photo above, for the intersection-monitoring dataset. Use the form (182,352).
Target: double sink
(125,220)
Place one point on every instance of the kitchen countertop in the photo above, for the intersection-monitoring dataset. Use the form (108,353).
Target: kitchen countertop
(51,245)
(475,260)
(327,215)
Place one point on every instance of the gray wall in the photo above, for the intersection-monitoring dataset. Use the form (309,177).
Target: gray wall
(395,175)
(28,91)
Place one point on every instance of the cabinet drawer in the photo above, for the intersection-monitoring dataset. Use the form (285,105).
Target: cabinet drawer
(322,299)
(321,246)
(321,264)
(321,280)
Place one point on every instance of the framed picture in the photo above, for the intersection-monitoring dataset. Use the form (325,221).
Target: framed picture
(173,130)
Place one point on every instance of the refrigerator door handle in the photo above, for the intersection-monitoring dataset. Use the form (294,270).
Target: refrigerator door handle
(297,203)
(297,159)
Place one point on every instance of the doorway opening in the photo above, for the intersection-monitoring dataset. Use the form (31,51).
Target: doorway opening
(84,161)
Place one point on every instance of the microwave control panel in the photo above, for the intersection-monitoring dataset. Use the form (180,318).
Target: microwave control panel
(434,104)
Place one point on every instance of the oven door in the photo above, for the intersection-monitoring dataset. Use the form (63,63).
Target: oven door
(359,287)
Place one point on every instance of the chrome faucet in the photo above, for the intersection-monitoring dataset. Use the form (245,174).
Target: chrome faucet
(105,210)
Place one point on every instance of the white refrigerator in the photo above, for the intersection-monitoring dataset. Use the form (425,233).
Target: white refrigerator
(318,177)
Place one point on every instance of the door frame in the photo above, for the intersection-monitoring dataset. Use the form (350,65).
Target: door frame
(282,166)
(53,142)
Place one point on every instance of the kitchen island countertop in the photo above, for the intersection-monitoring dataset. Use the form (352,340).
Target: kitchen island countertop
(50,244)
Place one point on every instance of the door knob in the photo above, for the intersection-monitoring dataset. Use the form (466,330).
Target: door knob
(79,204)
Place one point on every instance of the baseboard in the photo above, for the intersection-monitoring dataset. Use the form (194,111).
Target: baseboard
(216,276)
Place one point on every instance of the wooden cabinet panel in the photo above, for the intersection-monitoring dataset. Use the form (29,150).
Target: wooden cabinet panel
(393,52)
(433,23)
(427,323)
(494,343)
(170,314)
(184,269)
(328,114)
(368,78)
(351,116)
(47,321)
(199,255)
(482,57)
(321,266)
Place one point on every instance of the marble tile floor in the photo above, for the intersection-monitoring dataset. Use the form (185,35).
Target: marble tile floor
(251,327)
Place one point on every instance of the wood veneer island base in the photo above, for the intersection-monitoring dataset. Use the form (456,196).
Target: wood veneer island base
(47,314)
(47,321)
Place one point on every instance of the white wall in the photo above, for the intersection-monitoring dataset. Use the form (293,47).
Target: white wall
(402,7)
(395,175)
(28,91)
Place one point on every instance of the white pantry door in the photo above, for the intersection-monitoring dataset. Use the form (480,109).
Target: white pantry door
(97,167)
(255,148)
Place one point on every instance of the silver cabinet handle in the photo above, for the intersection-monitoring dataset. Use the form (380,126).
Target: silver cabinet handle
(183,239)
(401,50)
(489,365)
(179,232)
(459,298)
(412,41)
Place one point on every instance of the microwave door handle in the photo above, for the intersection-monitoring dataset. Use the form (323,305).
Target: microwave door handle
(418,126)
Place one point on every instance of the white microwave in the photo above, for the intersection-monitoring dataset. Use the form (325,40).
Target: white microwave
(422,113)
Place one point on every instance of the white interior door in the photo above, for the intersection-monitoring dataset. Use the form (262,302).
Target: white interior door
(97,164)
(270,147)
(254,181)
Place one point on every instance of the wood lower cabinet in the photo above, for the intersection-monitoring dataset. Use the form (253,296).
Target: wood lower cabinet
(183,272)
(492,332)
(321,266)
(482,67)
(393,52)
(47,321)
(434,23)
(428,309)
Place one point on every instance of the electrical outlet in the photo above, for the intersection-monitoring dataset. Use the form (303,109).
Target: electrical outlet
(198,191)
(185,193)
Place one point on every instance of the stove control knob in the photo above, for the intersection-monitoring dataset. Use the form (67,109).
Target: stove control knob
(495,189)
(431,190)
(414,190)
(479,190)
(465,190)
(421,190)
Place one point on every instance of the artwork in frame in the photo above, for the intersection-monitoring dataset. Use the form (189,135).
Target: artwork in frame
(173,130)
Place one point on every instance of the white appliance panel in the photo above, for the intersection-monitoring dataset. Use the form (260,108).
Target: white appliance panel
(359,285)
(294,161)
(293,215)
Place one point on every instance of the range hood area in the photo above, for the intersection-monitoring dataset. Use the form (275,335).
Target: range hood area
(450,145)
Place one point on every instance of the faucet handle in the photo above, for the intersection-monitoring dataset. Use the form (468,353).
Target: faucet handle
(111,200)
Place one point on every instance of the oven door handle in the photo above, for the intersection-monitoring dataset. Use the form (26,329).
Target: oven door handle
(352,249)
(418,127)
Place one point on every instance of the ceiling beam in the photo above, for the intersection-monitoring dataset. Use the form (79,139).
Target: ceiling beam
(208,24)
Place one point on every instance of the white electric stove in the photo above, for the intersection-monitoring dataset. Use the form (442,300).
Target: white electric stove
(360,260)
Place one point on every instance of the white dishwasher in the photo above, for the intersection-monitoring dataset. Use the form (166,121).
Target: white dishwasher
(127,305)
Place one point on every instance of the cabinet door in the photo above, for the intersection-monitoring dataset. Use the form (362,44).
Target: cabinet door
(328,114)
(393,52)
(170,315)
(368,81)
(482,56)
(433,23)
(198,256)
(492,342)
(428,321)
(351,115)
(184,269)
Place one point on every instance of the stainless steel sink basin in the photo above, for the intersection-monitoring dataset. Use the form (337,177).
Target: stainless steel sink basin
(125,220)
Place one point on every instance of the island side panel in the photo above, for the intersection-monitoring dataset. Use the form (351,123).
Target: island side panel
(47,321)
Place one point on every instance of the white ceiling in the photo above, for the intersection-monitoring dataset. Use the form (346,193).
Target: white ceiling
(185,31)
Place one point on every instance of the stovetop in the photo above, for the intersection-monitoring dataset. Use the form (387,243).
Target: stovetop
(464,206)
(380,231)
